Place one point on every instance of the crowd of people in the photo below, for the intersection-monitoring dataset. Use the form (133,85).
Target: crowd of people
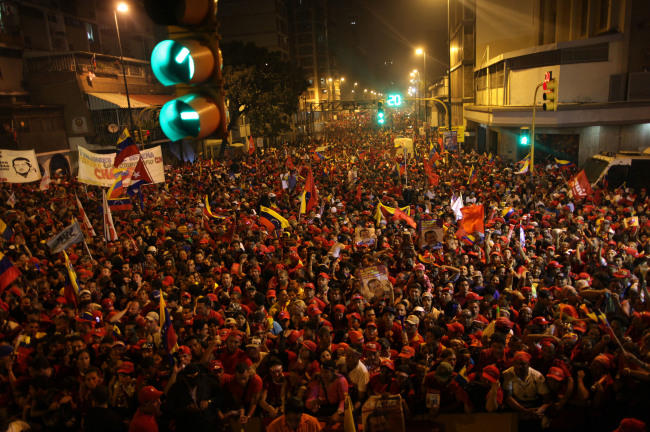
(544,312)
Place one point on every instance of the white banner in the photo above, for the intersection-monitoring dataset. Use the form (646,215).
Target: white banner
(19,166)
(97,169)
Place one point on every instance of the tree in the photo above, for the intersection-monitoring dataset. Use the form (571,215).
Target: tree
(262,86)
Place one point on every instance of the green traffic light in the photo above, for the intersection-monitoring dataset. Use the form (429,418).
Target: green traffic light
(172,63)
(179,120)
(524,140)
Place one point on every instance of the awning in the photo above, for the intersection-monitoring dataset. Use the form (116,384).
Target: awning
(99,101)
(153,99)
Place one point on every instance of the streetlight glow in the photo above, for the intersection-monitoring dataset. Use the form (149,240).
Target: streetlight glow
(419,51)
(122,7)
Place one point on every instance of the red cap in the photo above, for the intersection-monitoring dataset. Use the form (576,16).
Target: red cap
(284,315)
(149,394)
(407,352)
(313,310)
(215,364)
(472,296)
(540,321)
(355,336)
(168,281)
(555,373)
(310,345)
(456,327)
(126,368)
(522,355)
(323,275)
(339,308)
(388,363)
(371,346)
(491,373)
(184,349)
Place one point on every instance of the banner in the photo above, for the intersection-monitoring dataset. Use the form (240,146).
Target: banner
(70,235)
(451,141)
(19,166)
(97,169)
(580,186)
(431,234)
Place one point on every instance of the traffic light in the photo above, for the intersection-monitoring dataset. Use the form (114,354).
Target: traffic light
(524,136)
(380,113)
(190,60)
(550,95)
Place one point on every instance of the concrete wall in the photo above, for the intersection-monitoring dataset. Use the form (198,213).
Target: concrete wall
(505,25)
(12,74)
(595,139)
(578,83)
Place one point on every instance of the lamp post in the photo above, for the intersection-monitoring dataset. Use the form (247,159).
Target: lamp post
(364,93)
(449,69)
(123,7)
(420,51)
(419,92)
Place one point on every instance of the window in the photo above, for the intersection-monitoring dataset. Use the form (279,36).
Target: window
(603,15)
(90,33)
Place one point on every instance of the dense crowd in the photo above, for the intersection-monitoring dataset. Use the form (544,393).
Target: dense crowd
(545,312)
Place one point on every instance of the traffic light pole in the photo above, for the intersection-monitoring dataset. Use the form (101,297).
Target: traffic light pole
(532,132)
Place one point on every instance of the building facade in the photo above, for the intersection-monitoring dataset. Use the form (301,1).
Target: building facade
(597,51)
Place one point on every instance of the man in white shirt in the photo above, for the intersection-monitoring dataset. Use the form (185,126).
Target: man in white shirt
(525,388)
(358,374)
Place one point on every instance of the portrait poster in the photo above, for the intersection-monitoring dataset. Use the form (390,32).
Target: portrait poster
(374,282)
(451,141)
(365,236)
(431,234)
(19,166)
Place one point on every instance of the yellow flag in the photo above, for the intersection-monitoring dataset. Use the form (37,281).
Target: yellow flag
(348,420)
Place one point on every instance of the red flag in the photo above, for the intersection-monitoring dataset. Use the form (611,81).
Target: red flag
(432,178)
(312,196)
(289,163)
(228,235)
(399,214)
(580,185)
(358,197)
(472,219)
(251,146)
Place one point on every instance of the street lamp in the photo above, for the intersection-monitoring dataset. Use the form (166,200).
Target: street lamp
(123,8)
(364,93)
(420,51)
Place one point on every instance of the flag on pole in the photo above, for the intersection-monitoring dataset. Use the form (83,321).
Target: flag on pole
(564,163)
(117,204)
(84,219)
(348,418)
(139,178)
(208,211)
(456,206)
(251,146)
(472,220)
(472,175)
(580,186)
(69,236)
(8,272)
(272,220)
(125,147)
(399,214)
(71,288)
(524,168)
(12,200)
(311,195)
(117,188)
(5,231)
(109,228)
(45,182)
(169,340)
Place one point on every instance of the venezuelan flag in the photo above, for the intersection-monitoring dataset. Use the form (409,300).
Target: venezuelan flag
(563,163)
(5,231)
(208,211)
(272,220)
(472,174)
(507,212)
(169,339)
(71,288)
(8,272)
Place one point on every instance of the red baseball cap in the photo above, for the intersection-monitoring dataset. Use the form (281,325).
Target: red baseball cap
(149,394)
(555,373)
(491,373)
(407,352)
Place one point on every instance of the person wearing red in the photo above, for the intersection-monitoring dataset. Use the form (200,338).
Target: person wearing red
(243,391)
(144,419)
(232,355)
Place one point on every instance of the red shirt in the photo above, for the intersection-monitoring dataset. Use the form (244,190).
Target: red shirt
(243,394)
(142,422)
(230,361)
